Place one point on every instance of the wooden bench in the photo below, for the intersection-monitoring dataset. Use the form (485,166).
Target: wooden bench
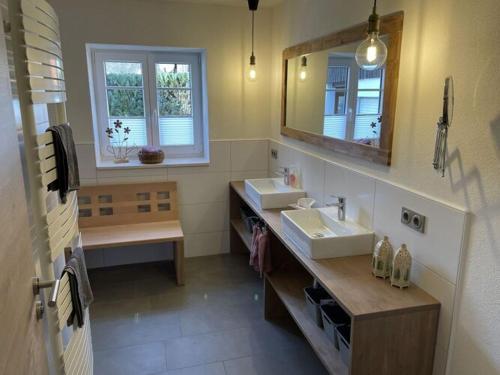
(131,214)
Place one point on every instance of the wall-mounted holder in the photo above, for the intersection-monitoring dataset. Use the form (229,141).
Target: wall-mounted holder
(443,125)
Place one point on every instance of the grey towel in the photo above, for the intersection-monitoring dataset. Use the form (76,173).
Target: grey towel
(81,292)
(68,178)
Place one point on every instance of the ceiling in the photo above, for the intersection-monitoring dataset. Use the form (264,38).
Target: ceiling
(262,3)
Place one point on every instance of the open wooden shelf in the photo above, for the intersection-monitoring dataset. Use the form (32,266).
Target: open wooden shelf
(290,289)
(387,323)
(240,228)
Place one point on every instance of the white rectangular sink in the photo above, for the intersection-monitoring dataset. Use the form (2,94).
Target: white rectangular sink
(319,234)
(269,193)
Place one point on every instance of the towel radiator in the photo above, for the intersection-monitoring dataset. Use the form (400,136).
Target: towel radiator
(39,74)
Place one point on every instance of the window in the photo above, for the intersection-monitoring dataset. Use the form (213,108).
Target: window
(158,94)
(368,104)
(353,101)
(174,93)
(124,89)
(337,83)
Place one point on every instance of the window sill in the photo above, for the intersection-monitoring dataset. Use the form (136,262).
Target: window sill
(170,163)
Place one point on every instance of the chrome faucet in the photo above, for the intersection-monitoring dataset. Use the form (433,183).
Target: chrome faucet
(285,172)
(341,204)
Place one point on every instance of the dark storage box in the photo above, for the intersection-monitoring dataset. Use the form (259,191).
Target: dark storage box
(344,336)
(249,218)
(315,297)
(333,317)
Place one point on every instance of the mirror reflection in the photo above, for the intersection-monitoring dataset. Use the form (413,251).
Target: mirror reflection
(329,94)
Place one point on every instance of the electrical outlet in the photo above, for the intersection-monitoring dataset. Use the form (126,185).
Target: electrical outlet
(274,153)
(413,219)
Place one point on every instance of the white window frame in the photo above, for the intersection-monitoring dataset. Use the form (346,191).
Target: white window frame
(97,54)
(196,101)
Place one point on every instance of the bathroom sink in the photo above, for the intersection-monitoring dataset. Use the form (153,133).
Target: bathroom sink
(319,234)
(272,193)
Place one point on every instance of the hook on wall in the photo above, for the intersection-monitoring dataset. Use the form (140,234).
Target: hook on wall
(444,123)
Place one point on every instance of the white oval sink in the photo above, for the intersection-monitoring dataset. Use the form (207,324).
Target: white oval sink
(269,193)
(319,234)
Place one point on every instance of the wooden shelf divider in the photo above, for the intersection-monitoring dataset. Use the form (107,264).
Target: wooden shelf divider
(240,228)
(290,289)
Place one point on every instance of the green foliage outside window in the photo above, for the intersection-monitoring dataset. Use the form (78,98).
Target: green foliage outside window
(174,94)
(125,102)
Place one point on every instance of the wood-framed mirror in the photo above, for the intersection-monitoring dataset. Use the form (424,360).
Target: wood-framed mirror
(327,100)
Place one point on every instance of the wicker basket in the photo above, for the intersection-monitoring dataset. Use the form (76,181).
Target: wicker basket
(151,155)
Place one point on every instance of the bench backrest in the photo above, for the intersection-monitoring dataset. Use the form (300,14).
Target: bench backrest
(127,204)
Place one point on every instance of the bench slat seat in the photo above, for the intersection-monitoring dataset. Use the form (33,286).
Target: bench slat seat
(131,234)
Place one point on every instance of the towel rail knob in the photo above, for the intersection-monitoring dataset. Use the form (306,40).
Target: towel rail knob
(39,310)
(54,284)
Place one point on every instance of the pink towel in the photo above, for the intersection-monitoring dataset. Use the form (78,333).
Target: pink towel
(254,249)
(260,257)
(264,253)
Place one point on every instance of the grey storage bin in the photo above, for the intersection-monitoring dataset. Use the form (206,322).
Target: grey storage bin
(250,222)
(333,317)
(344,335)
(249,218)
(315,297)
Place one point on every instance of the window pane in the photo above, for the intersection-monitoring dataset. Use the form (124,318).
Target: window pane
(337,77)
(367,127)
(336,98)
(369,92)
(174,102)
(370,79)
(173,76)
(176,131)
(335,102)
(125,102)
(335,126)
(123,74)
(368,105)
(173,83)
(137,135)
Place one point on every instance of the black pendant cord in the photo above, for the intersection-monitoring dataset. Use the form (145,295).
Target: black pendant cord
(252,6)
(374,20)
(253,26)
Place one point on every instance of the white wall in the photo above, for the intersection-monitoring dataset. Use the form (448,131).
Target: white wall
(203,198)
(440,38)
(238,109)
(376,204)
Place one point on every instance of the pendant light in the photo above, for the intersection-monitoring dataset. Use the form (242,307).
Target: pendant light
(252,69)
(372,52)
(303,68)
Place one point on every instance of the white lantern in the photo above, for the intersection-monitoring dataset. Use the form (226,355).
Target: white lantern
(401,267)
(382,258)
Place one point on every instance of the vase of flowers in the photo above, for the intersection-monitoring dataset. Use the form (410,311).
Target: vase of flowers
(118,142)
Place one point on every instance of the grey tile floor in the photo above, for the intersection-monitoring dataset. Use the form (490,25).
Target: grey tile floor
(142,323)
